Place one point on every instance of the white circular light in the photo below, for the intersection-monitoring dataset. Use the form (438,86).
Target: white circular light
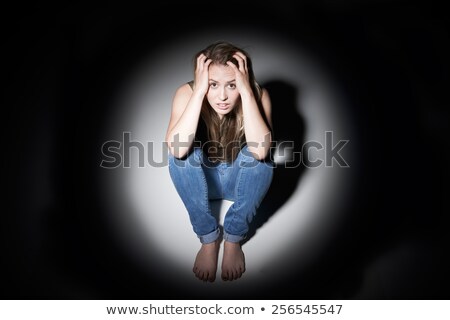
(148,214)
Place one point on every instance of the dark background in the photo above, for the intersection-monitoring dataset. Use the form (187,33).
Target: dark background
(64,62)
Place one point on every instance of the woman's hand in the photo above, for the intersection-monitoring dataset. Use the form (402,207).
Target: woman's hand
(201,81)
(241,73)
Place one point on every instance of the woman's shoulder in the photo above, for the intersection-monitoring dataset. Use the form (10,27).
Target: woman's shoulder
(184,90)
(265,96)
(181,97)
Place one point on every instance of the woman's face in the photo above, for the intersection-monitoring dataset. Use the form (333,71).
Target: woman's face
(222,95)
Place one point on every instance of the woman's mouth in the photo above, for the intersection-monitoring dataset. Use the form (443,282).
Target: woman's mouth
(223,106)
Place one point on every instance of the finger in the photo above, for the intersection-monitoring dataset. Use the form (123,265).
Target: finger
(243,58)
(240,62)
(201,59)
(231,64)
(240,54)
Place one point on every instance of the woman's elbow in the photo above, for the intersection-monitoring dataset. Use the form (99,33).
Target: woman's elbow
(178,153)
(259,154)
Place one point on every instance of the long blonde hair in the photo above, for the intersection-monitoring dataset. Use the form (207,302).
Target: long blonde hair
(226,136)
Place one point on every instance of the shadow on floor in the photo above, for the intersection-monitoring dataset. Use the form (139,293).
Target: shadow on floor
(288,135)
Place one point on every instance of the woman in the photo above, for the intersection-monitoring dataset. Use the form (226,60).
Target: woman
(219,138)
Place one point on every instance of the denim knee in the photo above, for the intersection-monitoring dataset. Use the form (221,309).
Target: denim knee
(194,159)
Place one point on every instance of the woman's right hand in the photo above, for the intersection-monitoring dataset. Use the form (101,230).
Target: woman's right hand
(201,81)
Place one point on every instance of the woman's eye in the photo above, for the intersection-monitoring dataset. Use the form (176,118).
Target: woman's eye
(213,85)
(232,85)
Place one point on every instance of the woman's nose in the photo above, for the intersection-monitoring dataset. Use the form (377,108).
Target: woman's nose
(223,95)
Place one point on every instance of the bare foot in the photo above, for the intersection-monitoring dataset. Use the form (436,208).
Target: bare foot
(233,262)
(205,265)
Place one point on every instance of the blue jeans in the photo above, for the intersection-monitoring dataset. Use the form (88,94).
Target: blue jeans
(197,181)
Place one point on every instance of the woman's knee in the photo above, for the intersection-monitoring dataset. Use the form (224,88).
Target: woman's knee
(259,169)
(193,159)
(246,159)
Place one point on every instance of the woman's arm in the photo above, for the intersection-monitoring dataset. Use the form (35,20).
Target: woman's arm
(257,123)
(183,121)
(257,130)
(186,107)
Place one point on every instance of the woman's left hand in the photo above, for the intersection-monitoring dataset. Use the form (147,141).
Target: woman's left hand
(241,72)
